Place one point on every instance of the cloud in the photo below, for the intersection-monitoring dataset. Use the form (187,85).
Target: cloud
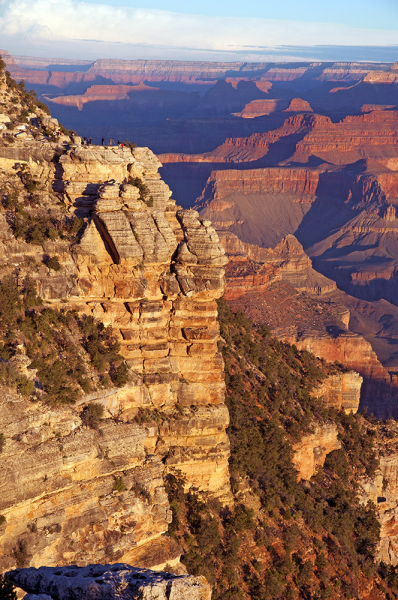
(63,21)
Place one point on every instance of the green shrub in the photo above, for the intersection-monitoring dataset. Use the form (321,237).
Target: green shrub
(25,386)
(119,485)
(141,492)
(43,107)
(143,188)
(92,414)
(120,375)
(53,263)
(10,202)
(10,303)
(337,462)
(59,344)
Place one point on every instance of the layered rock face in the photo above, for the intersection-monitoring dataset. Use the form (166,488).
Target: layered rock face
(372,135)
(341,391)
(382,490)
(319,325)
(97,93)
(163,311)
(297,182)
(251,267)
(378,392)
(135,71)
(77,495)
(257,145)
(279,287)
(59,497)
(345,216)
(259,108)
(106,582)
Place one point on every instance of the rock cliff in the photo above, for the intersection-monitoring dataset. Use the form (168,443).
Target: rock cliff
(383,492)
(251,266)
(371,135)
(279,287)
(153,272)
(135,71)
(75,492)
(310,453)
(96,93)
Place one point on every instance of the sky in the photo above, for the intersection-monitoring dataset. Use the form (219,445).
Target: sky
(253,30)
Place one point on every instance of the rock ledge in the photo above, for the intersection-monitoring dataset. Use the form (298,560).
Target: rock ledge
(107,582)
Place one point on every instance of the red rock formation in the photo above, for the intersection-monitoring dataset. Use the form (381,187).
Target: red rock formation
(373,107)
(299,105)
(348,71)
(342,391)
(382,490)
(259,108)
(311,451)
(368,136)
(300,182)
(257,145)
(197,72)
(96,93)
(253,267)
(371,135)
(385,77)
(271,286)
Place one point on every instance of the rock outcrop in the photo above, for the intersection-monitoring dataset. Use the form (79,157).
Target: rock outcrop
(259,108)
(153,272)
(59,496)
(310,453)
(342,391)
(382,490)
(97,93)
(107,582)
(251,266)
(371,135)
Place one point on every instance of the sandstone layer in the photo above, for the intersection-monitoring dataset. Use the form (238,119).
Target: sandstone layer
(382,490)
(310,453)
(153,272)
(58,495)
(253,267)
(135,71)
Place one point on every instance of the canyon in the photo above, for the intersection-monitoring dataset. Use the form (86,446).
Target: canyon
(332,185)
(295,224)
(191,106)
